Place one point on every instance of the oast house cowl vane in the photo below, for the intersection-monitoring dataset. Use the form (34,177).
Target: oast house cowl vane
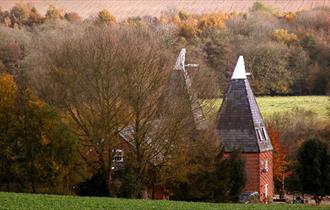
(240,125)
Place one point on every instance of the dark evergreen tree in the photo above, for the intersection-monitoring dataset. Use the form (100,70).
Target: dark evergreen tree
(131,188)
(95,186)
(313,168)
(237,174)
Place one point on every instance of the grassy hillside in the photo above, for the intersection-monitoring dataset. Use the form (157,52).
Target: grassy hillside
(45,202)
(320,105)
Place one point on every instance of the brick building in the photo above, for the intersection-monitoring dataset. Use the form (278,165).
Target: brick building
(240,125)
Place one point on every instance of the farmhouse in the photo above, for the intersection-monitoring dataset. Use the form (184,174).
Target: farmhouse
(240,125)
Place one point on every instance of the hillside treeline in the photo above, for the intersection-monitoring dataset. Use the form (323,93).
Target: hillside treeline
(74,92)
(286,53)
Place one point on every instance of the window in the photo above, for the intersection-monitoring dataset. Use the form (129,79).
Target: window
(118,156)
(260,137)
(264,166)
(264,133)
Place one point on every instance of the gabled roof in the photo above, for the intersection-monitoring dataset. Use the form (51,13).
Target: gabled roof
(239,119)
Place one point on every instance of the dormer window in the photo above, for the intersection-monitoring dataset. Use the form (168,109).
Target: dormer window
(259,135)
(118,155)
(264,133)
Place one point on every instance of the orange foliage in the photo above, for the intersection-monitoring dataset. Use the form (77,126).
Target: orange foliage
(289,16)
(8,90)
(216,21)
(280,162)
(282,35)
(188,29)
(190,26)
(104,16)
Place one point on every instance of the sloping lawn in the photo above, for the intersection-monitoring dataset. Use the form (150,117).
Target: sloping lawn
(20,201)
(320,105)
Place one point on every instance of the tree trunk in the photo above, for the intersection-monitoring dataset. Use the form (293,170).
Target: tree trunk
(68,181)
(109,181)
(33,184)
(145,192)
(32,179)
(153,191)
(282,189)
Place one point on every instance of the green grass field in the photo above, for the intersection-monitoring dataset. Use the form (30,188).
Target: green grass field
(19,201)
(320,105)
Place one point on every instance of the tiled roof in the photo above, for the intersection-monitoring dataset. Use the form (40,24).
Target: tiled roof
(239,118)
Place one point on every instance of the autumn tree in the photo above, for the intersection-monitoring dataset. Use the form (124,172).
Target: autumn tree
(37,149)
(81,75)
(11,53)
(24,14)
(159,129)
(282,35)
(317,76)
(205,178)
(280,163)
(211,177)
(268,65)
(53,13)
(289,16)
(188,28)
(108,82)
(19,14)
(114,82)
(7,103)
(104,16)
(35,17)
(221,56)
(211,22)
(5,18)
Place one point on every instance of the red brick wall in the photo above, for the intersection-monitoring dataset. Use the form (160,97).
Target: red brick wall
(257,178)
(252,169)
(159,193)
(266,177)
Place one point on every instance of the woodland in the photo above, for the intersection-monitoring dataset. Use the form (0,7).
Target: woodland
(69,86)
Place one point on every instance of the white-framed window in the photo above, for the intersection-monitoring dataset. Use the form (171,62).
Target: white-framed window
(264,133)
(118,155)
(259,135)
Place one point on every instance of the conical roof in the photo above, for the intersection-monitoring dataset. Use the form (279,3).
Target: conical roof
(239,122)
